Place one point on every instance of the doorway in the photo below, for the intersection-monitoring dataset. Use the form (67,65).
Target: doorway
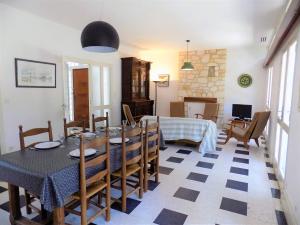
(81,94)
(87,90)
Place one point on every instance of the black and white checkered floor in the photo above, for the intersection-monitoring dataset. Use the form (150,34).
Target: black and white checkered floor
(231,186)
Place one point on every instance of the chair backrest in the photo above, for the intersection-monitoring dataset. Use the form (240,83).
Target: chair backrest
(211,111)
(177,109)
(262,120)
(128,114)
(33,132)
(152,137)
(73,124)
(135,134)
(99,119)
(97,143)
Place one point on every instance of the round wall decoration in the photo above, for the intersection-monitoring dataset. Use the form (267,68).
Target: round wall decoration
(245,80)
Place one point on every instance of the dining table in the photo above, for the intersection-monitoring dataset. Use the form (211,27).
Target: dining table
(52,175)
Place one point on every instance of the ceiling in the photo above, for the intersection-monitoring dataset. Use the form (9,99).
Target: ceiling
(166,24)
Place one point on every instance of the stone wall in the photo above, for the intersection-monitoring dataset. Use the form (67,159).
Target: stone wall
(208,77)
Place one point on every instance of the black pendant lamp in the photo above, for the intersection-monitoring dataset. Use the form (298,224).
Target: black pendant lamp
(187,65)
(99,36)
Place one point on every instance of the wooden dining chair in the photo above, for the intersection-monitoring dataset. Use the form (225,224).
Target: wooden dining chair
(92,186)
(252,130)
(100,119)
(29,197)
(211,111)
(130,167)
(73,124)
(151,154)
(128,115)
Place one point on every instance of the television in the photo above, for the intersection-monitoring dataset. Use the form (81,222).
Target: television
(241,111)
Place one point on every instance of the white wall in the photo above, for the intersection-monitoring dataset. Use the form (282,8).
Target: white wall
(163,62)
(245,60)
(291,184)
(24,35)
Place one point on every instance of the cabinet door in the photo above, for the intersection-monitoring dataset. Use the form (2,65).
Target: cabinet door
(135,82)
(143,80)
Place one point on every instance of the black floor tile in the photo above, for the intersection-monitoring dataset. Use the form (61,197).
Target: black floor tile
(222,133)
(275,193)
(241,152)
(197,177)
(281,220)
(5,206)
(238,170)
(270,165)
(165,170)
(240,160)
(2,189)
(267,155)
(235,206)
(218,149)
(163,148)
(169,217)
(220,142)
(175,159)
(237,185)
(272,176)
(222,138)
(131,205)
(152,185)
(205,165)
(187,194)
(184,151)
(211,155)
(240,145)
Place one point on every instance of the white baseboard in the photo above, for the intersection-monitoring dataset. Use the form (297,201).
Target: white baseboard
(288,208)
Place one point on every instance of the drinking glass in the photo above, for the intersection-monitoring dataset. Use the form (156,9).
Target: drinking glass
(124,122)
(133,124)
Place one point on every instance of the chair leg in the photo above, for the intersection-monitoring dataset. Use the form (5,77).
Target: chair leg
(146,177)
(124,196)
(99,198)
(28,202)
(141,182)
(107,216)
(43,212)
(246,144)
(83,212)
(257,142)
(157,170)
(227,139)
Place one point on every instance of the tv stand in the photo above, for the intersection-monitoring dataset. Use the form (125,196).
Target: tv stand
(242,119)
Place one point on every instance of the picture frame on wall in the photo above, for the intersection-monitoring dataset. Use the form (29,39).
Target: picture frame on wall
(35,74)
(164,80)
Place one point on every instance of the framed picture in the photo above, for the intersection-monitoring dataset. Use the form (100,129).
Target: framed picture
(35,74)
(164,80)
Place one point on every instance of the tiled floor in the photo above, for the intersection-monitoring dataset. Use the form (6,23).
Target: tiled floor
(229,186)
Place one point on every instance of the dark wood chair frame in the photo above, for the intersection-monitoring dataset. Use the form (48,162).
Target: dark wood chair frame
(95,185)
(100,119)
(151,155)
(72,124)
(127,170)
(29,197)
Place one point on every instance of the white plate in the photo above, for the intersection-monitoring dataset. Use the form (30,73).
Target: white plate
(87,152)
(47,145)
(117,140)
(115,128)
(89,135)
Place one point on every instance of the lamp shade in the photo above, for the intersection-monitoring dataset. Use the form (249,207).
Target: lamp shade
(99,36)
(187,66)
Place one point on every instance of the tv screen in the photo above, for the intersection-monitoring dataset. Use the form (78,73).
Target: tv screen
(241,111)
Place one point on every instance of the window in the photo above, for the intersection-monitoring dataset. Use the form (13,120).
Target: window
(269,89)
(284,106)
(101,97)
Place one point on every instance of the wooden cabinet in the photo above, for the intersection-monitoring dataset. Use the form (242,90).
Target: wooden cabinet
(135,86)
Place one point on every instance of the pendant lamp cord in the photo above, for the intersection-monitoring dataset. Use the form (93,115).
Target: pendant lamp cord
(187,50)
